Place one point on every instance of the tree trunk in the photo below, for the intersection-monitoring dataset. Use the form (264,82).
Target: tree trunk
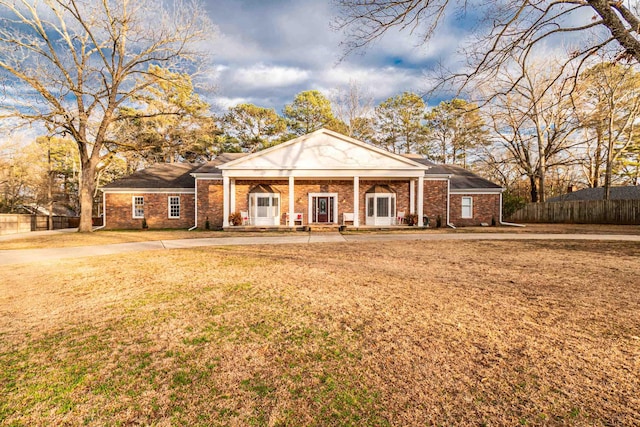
(50,186)
(86,190)
(542,171)
(598,156)
(609,164)
(534,188)
(50,199)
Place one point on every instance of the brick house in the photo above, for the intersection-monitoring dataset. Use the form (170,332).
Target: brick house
(322,178)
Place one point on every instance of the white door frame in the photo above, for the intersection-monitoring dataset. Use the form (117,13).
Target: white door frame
(335,205)
(254,219)
(378,220)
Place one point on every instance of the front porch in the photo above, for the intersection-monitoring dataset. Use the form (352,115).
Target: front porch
(317,179)
(297,202)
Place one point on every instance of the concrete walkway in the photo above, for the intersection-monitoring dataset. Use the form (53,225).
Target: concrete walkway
(8,257)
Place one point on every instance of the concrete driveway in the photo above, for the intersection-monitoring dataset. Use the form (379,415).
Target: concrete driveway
(8,257)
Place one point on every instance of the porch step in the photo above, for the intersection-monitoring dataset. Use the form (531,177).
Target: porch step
(324,228)
(253,228)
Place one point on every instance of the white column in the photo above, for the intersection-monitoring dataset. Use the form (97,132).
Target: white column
(225,201)
(292,193)
(420,200)
(356,201)
(232,196)
(412,196)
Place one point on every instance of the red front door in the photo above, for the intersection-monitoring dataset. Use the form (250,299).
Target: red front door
(322,209)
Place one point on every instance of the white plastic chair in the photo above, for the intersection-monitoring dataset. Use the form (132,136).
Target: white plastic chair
(400,218)
(245,217)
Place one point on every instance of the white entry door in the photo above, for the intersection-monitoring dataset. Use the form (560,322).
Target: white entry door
(381,209)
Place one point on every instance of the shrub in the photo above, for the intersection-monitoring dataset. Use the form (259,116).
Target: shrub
(235,218)
(438,222)
(411,219)
(511,203)
(207,224)
(144,224)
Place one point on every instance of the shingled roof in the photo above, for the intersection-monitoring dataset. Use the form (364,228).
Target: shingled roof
(160,175)
(461,178)
(631,192)
(220,159)
(178,175)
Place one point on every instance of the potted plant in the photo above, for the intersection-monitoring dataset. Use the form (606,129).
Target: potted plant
(235,218)
(411,219)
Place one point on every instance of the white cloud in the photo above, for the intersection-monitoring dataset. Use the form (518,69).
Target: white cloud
(223,102)
(269,76)
(381,83)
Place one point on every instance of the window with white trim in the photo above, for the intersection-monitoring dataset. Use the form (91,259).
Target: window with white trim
(138,207)
(467,207)
(174,206)
(264,208)
(381,208)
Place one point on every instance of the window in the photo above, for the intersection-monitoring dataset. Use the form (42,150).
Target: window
(467,207)
(174,206)
(264,208)
(381,208)
(138,207)
(267,206)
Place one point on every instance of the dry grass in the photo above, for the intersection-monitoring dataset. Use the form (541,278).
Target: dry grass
(412,333)
(530,228)
(105,237)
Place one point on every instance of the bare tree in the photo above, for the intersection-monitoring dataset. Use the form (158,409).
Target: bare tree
(353,105)
(608,103)
(506,27)
(76,62)
(534,123)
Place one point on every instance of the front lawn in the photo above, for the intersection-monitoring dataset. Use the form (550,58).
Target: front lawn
(105,237)
(395,333)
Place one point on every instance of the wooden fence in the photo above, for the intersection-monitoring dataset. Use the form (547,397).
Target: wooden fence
(15,223)
(581,212)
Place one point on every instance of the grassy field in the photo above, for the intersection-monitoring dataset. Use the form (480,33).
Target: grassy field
(409,333)
(105,237)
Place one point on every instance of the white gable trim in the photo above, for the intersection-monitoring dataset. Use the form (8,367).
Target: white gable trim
(208,176)
(323,173)
(237,164)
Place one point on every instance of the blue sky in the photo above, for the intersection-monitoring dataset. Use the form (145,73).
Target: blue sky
(268,51)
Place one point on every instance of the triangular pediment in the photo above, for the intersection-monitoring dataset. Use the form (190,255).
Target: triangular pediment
(324,150)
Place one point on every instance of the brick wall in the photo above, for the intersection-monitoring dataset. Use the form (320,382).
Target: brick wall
(210,203)
(401,188)
(302,188)
(119,206)
(119,211)
(279,186)
(210,197)
(485,207)
(435,201)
